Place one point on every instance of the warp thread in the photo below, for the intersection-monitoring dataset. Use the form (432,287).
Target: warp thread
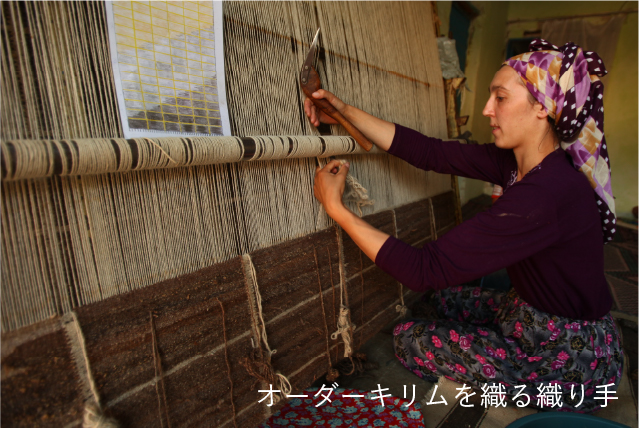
(226,358)
(258,363)
(161,149)
(401,308)
(159,376)
(93,415)
(433,224)
(332,373)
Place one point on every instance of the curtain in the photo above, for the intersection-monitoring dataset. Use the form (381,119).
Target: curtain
(598,34)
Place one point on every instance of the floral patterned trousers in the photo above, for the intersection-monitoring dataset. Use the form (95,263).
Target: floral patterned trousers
(492,337)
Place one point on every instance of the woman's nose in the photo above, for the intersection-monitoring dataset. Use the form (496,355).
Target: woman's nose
(488,109)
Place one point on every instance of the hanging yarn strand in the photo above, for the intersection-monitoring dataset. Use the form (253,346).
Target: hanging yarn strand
(93,414)
(356,363)
(357,194)
(259,363)
(344,327)
(401,308)
(345,330)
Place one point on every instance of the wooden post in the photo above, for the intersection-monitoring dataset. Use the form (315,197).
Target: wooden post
(451,86)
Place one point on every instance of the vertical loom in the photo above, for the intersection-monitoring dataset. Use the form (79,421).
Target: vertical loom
(150,276)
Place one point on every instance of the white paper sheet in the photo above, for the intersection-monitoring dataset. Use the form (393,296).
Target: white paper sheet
(168,66)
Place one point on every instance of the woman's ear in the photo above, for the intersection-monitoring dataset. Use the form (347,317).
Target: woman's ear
(542,113)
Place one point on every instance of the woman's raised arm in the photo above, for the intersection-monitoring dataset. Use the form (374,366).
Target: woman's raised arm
(379,131)
(329,185)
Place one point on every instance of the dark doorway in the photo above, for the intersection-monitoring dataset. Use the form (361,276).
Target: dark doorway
(461,15)
(518,46)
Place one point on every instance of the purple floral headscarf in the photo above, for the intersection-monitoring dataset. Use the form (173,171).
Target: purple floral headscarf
(565,80)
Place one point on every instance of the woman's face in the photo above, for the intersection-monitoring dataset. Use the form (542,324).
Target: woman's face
(514,119)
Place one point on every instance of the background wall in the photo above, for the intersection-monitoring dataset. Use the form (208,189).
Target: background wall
(500,21)
(485,54)
(620,99)
(620,93)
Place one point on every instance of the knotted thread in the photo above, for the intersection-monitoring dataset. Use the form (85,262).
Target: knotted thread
(93,415)
(356,193)
(258,363)
(344,328)
(402,308)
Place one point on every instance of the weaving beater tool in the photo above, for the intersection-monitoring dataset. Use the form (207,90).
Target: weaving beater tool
(310,82)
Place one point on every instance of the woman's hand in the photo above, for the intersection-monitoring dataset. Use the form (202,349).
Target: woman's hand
(379,131)
(329,186)
(316,115)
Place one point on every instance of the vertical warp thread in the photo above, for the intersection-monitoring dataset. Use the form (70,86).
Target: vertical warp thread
(226,357)
(433,225)
(332,374)
(159,377)
(332,292)
(401,308)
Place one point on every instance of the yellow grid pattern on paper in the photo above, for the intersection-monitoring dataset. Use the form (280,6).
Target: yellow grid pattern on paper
(166,58)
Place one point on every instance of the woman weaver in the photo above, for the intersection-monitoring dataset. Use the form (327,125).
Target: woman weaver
(548,230)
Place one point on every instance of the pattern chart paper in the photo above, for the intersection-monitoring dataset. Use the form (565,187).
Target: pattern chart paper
(168,65)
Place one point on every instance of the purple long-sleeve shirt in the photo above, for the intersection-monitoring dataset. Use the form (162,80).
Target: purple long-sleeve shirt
(545,229)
